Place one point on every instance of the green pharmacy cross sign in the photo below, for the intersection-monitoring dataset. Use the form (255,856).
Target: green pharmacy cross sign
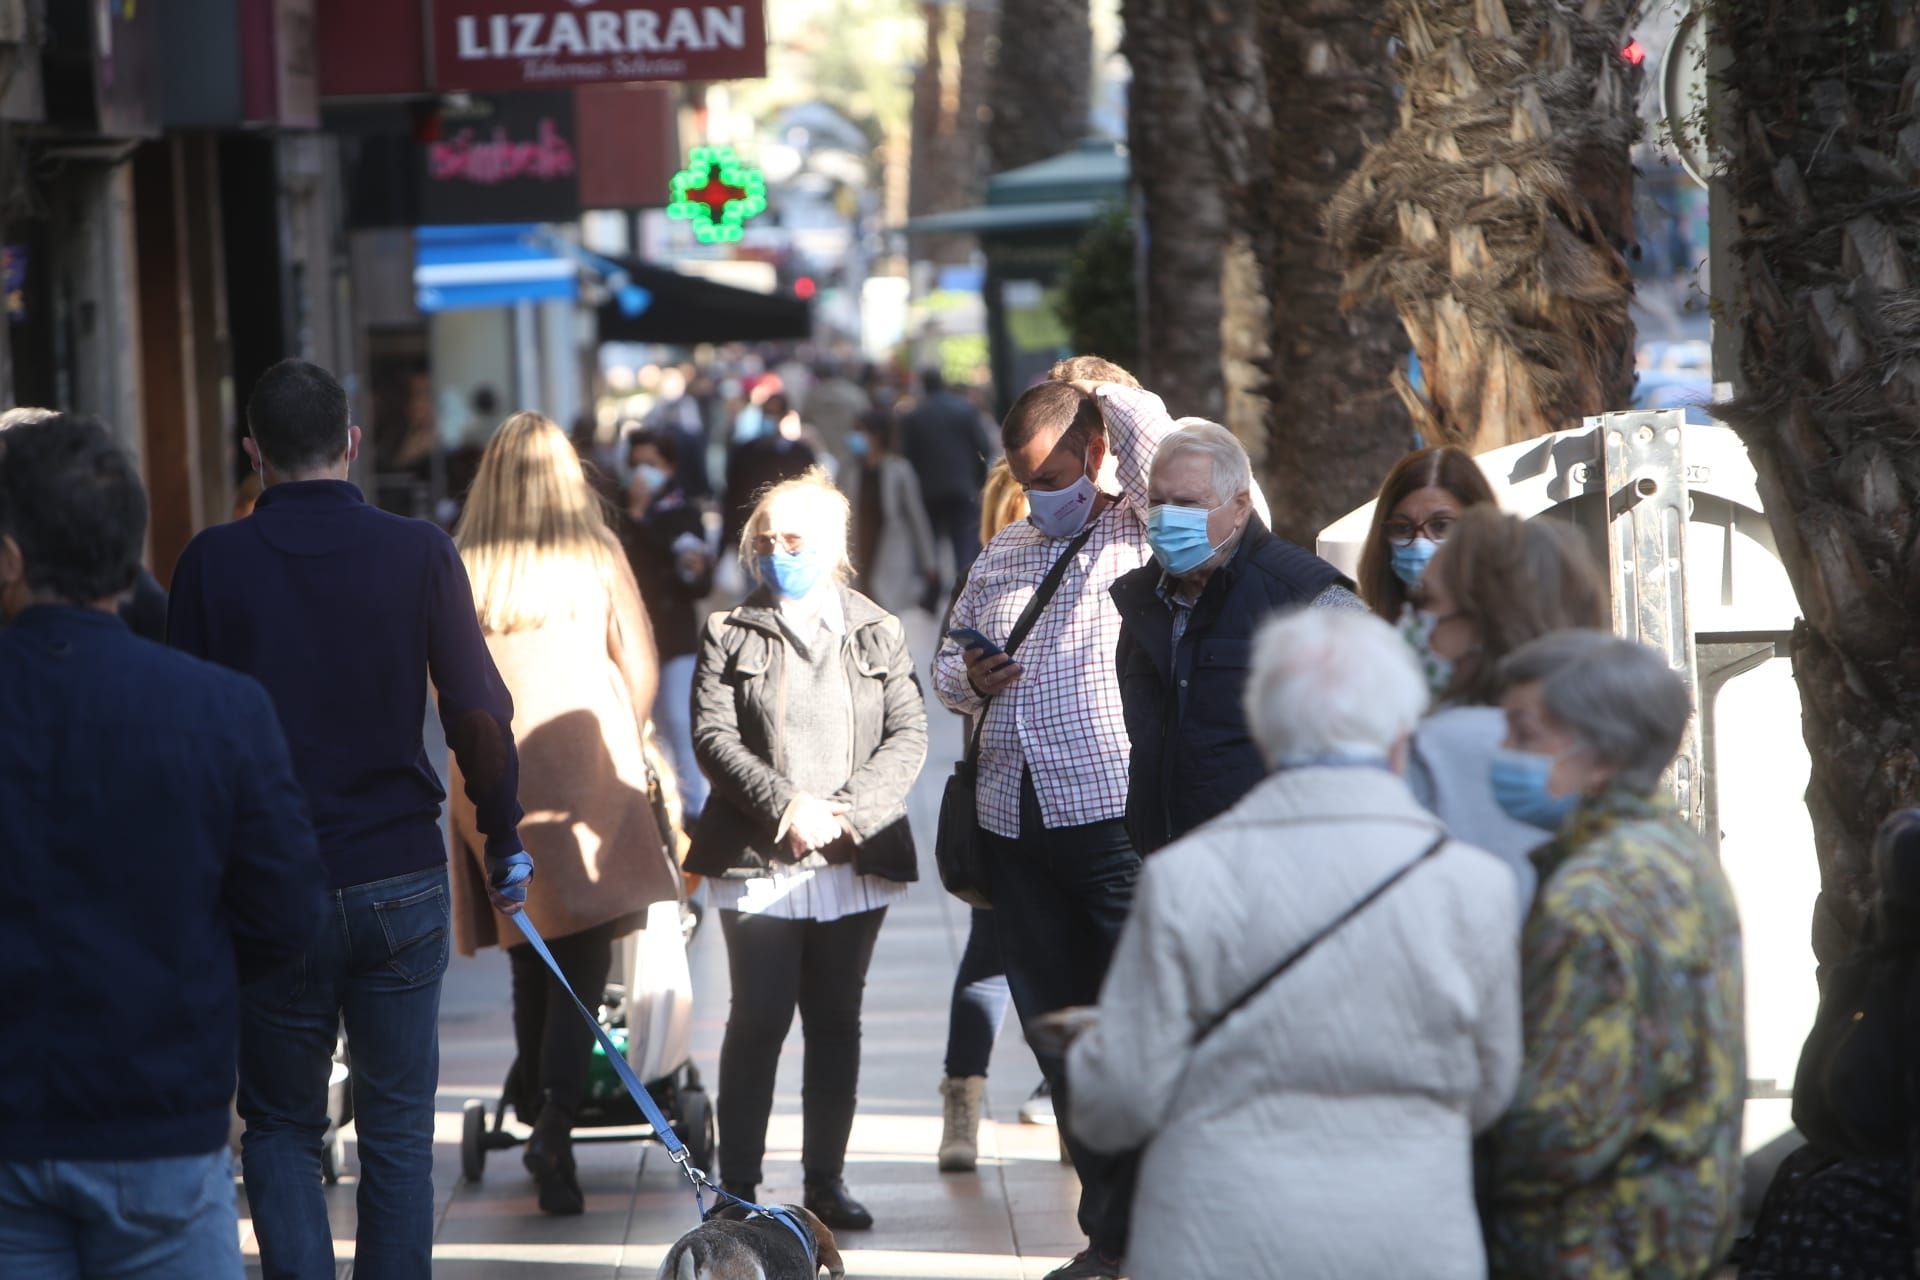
(717,193)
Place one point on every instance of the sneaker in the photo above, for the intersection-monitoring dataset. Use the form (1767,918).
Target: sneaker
(960,1138)
(1038,1108)
(1088,1265)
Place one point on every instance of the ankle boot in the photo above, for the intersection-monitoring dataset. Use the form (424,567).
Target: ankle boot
(549,1158)
(828,1200)
(960,1138)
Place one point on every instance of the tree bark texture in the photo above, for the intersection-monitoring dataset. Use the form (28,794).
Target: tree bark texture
(1294,90)
(1181,211)
(949,89)
(1041,81)
(1496,217)
(1823,143)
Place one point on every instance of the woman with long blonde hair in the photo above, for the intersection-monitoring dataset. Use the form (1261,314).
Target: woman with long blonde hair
(566,628)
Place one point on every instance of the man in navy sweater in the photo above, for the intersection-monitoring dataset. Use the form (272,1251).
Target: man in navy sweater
(156,852)
(343,612)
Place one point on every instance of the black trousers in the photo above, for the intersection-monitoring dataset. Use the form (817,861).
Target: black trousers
(777,966)
(1060,897)
(554,1042)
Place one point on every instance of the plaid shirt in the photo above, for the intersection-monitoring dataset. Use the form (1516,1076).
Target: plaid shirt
(1062,719)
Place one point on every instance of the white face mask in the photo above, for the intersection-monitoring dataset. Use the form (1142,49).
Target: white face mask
(1062,513)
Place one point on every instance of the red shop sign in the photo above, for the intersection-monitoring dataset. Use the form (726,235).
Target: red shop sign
(550,44)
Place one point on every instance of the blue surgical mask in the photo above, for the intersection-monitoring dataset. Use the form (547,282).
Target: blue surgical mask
(1519,781)
(1062,513)
(1178,536)
(857,445)
(1410,561)
(651,476)
(793,575)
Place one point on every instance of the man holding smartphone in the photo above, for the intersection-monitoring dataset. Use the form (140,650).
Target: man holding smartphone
(1054,750)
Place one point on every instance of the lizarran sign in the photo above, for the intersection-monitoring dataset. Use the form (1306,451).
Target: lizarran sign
(486,45)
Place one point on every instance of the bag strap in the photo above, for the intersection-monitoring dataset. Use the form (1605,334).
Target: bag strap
(1042,595)
(1299,953)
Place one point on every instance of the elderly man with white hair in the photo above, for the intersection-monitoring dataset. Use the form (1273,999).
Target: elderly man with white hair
(1187,619)
(1315,1003)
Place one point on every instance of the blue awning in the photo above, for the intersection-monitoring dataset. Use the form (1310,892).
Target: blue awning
(492,265)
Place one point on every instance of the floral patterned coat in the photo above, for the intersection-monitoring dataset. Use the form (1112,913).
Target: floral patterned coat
(1620,1156)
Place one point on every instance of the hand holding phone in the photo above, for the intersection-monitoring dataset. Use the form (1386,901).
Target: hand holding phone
(968,638)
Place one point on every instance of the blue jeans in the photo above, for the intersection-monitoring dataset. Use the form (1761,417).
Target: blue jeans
(980,999)
(673,715)
(377,964)
(168,1218)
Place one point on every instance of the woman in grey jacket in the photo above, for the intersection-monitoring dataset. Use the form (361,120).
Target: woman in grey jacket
(810,725)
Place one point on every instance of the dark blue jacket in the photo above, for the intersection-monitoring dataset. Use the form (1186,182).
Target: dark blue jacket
(155,851)
(342,610)
(1193,757)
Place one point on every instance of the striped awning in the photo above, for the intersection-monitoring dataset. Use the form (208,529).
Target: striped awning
(491,265)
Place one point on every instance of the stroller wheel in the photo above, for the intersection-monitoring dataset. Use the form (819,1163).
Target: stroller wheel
(694,1120)
(473,1133)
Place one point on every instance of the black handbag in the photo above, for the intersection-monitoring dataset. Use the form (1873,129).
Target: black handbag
(958,850)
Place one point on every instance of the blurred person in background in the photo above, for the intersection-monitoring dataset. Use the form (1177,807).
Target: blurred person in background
(1187,625)
(143,607)
(1053,766)
(893,548)
(349,615)
(945,439)
(160,856)
(1317,1119)
(682,414)
(1497,583)
(1843,1204)
(762,461)
(568,633)
(665,536)
(1620,1155)
(1418,505)
(811,726)
(833,407)
(980,994)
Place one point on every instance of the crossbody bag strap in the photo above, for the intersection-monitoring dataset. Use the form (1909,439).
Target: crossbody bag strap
(1024,623)
(1300,952)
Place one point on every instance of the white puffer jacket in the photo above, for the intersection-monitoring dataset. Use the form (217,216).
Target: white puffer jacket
(1325,1130)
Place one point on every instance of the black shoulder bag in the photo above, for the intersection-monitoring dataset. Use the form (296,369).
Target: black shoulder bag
(957,848)
(1299,953)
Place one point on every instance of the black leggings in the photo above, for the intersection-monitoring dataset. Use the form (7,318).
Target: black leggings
(776,966)
(980,998)
(553,1040)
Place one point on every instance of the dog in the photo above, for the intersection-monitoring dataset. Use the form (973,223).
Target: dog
(735,1245)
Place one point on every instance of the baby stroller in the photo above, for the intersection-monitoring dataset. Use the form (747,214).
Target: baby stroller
(648,1013)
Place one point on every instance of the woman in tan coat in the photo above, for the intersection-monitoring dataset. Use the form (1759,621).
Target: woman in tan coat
(566,628)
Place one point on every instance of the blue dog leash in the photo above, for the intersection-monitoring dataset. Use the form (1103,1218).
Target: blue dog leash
(676,1149)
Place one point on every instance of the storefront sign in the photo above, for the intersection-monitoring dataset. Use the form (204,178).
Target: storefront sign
(717,192)
(504,159)
(523,44)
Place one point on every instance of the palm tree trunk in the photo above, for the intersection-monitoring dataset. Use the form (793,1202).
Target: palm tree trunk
(1824,149)
(1496,216)
(1181,214)
(946,165)
(1042,81)
(1294,89)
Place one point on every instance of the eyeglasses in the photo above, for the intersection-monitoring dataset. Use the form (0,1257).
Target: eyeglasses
(1401,533)
(764,544)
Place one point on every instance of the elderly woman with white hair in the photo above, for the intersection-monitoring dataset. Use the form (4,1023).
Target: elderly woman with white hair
(809,723)
(1315,1003)
(1621,1153)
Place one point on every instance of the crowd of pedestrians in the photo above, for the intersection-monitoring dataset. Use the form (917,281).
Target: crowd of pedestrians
(1349,921)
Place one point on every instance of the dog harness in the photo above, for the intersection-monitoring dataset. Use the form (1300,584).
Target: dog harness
(676,1149)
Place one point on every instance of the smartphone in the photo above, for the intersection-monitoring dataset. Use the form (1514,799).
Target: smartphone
(968,638)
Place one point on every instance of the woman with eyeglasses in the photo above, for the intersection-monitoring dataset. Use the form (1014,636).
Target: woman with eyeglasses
(1421,499)
(810,726)
(1496,583)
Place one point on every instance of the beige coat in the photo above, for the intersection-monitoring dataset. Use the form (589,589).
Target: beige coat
(581,687)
